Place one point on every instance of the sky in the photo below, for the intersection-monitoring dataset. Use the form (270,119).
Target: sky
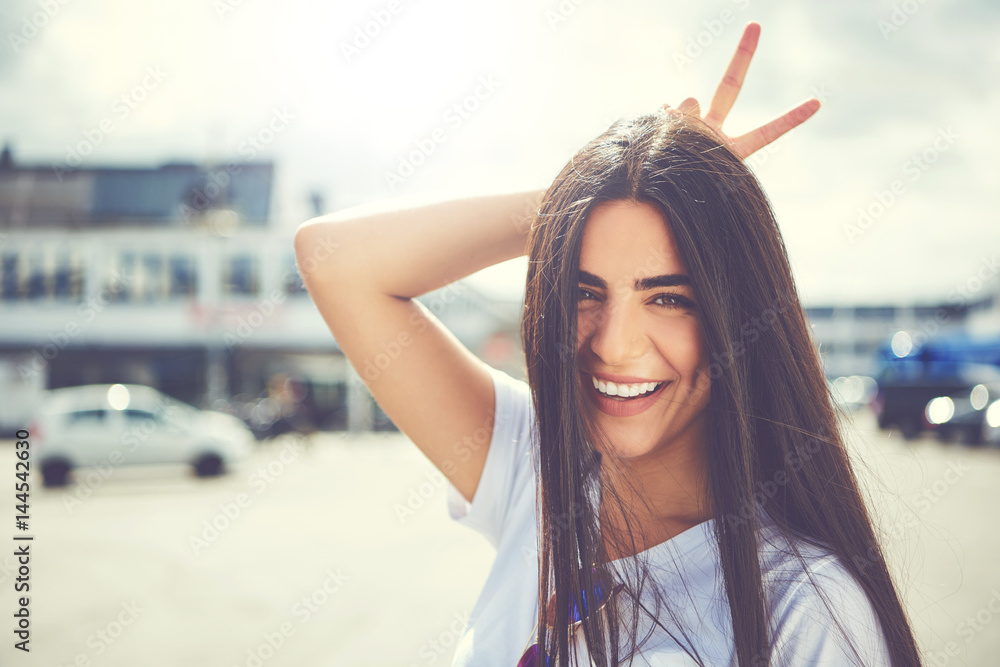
(887,195)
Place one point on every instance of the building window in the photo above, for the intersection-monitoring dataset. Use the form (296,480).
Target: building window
(67,281)
(925,312)
(242,275)
(823,313)
(153,283)
(37,288)
(183,280)
(121,282)
(955,311)
(40,277)
(11,287)
(875,312)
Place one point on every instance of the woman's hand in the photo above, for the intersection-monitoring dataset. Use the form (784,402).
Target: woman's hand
(726,94)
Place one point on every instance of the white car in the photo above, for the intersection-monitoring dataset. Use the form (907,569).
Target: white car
(108,425)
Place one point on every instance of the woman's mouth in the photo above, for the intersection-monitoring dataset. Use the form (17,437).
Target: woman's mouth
(620,406)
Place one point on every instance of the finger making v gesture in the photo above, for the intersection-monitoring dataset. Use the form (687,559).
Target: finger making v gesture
(725,96)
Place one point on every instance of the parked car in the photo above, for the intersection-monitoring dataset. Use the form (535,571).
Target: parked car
(961,415)
(125,424)
(906,388)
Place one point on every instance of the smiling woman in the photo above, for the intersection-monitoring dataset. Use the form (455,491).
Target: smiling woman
(635,340)
(640,232)
(622,484)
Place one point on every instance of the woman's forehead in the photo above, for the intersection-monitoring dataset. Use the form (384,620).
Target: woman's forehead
(624,237)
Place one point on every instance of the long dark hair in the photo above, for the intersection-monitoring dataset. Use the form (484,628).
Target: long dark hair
(772,439)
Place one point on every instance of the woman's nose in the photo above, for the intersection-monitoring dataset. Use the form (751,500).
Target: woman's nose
(616,334)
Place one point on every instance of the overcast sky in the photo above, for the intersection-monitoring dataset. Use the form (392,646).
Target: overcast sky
(911,106)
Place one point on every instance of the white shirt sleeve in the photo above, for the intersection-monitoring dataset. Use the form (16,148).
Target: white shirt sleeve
(507,471)
(806,632)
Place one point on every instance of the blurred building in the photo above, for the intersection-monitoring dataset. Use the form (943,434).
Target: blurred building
(848,336)
(176,277)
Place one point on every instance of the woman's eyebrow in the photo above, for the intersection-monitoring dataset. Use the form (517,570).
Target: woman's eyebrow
(641,284)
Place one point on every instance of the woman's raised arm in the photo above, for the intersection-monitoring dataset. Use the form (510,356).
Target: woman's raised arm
(364,266)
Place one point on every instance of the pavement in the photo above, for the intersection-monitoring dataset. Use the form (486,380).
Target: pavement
(338,550)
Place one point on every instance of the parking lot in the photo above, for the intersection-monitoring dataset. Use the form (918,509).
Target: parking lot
(339,551)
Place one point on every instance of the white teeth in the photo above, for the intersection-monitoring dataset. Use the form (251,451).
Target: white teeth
(629,390)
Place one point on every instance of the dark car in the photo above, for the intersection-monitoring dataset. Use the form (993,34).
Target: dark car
(961,416)
(907,388)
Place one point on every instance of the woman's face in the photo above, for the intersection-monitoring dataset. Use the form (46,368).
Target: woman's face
(638,322)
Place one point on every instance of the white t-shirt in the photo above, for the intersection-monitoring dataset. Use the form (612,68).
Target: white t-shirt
(687,567)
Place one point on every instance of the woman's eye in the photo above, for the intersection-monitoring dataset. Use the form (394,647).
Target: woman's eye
(662,300)
(667,300)
(674,301)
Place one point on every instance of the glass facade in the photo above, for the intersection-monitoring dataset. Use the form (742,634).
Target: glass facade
(242,275)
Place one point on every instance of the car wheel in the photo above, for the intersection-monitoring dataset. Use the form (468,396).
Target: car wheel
(208,465)
(972,436)
(55,473)
(909,429)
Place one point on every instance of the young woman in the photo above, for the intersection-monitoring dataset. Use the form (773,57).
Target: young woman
(669,487)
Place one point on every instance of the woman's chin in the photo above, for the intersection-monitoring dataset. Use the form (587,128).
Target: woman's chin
(618,451)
